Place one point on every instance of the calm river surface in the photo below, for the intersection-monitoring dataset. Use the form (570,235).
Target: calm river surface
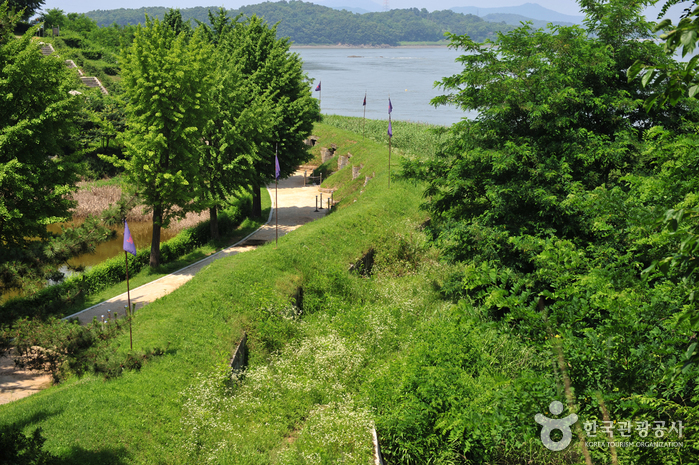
(407,75)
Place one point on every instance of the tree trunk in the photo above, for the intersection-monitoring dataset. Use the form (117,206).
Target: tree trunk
(155,243)
(256,202)
(213,222)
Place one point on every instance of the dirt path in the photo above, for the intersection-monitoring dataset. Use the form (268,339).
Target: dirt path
(296,207)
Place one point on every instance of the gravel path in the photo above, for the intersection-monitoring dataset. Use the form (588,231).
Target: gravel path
(296,208)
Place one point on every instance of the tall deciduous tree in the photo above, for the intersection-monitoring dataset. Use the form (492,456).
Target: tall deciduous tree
(273,70)
(238,125)
(29,7)
(166,79)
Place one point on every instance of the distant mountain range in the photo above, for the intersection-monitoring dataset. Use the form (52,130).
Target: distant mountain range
(528,10)
(534,12)
(515,20)
(357,6)
(311,24)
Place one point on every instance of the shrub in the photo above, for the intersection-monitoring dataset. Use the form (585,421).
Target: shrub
(92,54)
(73,40)
(17,448)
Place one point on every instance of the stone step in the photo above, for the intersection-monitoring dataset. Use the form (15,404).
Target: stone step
(47,49)
(71,65)
(91,81)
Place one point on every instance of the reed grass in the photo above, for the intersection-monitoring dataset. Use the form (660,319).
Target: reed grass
(93,199)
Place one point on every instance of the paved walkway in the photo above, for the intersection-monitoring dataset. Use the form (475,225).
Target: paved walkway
(296,208)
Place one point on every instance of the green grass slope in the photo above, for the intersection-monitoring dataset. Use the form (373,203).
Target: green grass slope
(317,334)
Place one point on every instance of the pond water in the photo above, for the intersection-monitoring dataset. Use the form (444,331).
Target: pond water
(141,231)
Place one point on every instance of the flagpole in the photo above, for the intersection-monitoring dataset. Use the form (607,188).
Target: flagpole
(276,201)
(128,298)
(364,118)
(130,247)
(390,136)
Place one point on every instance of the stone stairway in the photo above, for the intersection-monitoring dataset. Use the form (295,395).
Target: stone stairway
(89,81)
(92,82)
(47,49)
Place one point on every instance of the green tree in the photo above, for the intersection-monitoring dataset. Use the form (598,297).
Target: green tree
(267,63)
(38,170)
(27,7)
(240,119)
(166,79)
(173,19)
(557,117)
(54,17)
(672,81)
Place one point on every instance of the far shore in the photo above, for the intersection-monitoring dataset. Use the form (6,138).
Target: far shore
(293,46)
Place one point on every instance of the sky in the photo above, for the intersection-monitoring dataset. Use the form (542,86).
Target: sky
(569,7)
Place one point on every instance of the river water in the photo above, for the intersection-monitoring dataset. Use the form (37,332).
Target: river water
(407,75)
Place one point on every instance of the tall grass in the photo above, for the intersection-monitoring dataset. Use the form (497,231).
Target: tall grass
(408,137)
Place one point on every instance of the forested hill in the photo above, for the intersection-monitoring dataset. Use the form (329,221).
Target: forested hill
(310,24)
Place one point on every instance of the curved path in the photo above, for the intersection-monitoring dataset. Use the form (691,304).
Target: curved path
(296,207)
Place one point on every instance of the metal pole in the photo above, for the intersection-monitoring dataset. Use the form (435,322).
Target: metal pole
(316,203)
(364,117)
(389,162)
(128,298)
(321,200)
(276,202)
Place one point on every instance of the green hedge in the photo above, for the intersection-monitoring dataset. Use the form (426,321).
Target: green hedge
(51,301)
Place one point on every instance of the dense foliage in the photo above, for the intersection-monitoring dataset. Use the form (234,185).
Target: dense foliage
(548,202)
(20,449)
(308,23)
(167,79)
(38,166)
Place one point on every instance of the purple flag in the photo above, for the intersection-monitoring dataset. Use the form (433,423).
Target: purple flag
(390,131)
(129,245)
(390,107)
(277,171)
(364,100)
(318,87)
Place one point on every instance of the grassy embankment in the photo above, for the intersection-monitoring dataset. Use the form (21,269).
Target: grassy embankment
(305,396)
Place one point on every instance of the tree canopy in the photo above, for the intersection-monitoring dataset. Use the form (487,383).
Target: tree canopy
(166,80)
(547,204)
(274,74)
(38,170)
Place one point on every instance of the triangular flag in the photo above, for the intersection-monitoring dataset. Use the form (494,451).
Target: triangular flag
(129,245)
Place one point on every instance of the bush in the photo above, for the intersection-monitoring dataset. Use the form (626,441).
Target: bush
(92,54)
(66,347)
(73,40)
(16,448)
